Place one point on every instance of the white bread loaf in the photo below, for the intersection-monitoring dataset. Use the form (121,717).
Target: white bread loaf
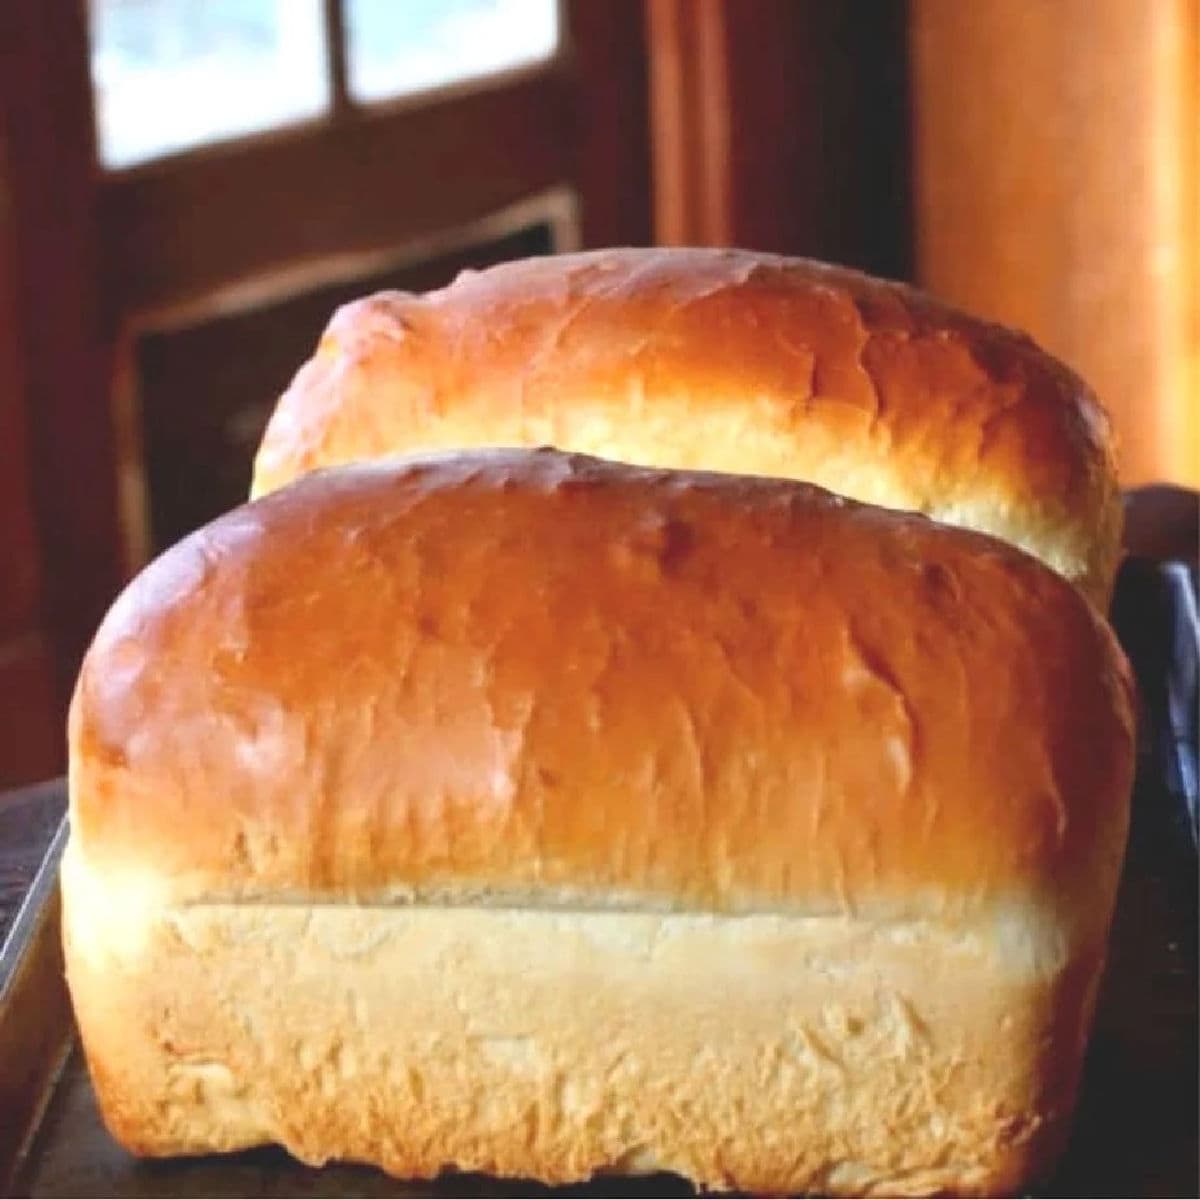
(535,815)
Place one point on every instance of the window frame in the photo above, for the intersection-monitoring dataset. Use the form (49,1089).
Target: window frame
(469,149)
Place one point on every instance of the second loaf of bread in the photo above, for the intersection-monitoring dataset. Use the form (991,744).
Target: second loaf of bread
(723,360)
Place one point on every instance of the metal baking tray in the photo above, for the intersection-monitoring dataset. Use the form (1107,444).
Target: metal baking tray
(1135,1132)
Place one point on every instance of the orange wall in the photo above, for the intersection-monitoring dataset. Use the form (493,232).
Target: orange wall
(1055,165)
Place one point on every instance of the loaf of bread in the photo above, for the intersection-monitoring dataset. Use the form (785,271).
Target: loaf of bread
(727,361)
(523,813)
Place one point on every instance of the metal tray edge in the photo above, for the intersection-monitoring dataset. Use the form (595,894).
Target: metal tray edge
(36,1026)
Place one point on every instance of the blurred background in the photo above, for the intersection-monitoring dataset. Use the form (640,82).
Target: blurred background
(189,187)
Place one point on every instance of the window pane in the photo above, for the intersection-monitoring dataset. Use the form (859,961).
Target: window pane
(398,48)
(169,74)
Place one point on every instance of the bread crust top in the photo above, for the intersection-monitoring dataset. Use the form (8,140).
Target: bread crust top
(725,360)
(528,677)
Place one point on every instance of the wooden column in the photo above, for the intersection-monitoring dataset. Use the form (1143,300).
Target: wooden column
(606,43)
(60,546)
(781,125)
(690,132)
(29,742)
(1055,190)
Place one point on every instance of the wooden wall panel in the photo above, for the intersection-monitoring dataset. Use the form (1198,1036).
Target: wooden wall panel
(782,126)
(20,557)
(46,120)
(1055,190)
(58,470)
(32,737)
(689,128)
(205,390)
(30,730)
(176,231)
(606,48)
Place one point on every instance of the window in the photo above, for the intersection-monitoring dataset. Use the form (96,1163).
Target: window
(397,49)
(170,75)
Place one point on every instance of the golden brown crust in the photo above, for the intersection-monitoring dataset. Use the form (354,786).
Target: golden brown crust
(540,815)
(534,675)
(723,360)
